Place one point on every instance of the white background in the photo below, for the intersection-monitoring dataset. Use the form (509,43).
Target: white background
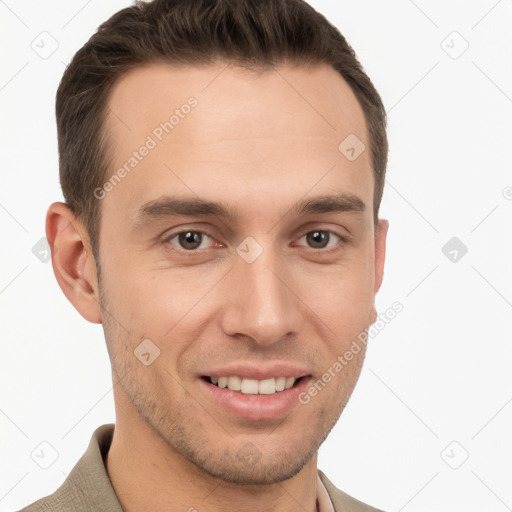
(439,372)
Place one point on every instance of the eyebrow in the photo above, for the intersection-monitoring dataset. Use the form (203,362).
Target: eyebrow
(170,206)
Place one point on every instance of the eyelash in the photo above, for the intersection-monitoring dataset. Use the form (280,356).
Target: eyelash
(343,240)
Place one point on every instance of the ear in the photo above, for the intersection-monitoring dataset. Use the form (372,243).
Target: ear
(72,260)
(380,257)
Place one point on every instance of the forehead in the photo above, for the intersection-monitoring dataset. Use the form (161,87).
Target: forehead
(215,127)
(315,93)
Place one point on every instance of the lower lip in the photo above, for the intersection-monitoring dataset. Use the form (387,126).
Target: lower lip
(256,407)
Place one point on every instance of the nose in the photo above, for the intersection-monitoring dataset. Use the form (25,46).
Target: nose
(261,302)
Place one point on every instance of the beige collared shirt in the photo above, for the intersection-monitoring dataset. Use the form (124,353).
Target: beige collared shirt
(88,487)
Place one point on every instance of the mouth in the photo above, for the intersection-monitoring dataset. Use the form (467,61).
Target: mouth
(272,398)
(246,386)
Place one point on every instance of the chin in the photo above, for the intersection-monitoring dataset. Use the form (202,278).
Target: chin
(240,461)
(269,469)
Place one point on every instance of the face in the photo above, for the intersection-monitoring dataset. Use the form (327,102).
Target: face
(222,256)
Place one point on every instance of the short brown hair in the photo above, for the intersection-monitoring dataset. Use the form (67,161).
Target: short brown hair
(249,33)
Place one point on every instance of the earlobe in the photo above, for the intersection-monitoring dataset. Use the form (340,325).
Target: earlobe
(380,257)
(373,315)
(380,252)
(72,260)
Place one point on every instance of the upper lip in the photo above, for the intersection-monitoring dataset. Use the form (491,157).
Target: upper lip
(258,371)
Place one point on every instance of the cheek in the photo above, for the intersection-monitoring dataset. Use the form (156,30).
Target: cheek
(342,296)
(164,300)
(144,296)
(169,307)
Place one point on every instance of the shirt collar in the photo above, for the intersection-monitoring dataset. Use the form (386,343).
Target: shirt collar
(323,500)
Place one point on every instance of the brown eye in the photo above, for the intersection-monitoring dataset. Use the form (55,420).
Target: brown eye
(189,240)
(320,239)
(317,239)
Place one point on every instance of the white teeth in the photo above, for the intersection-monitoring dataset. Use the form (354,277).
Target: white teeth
(249,386)
(280,383)
(253,386)
(267,386)
(235,383)
(289,382)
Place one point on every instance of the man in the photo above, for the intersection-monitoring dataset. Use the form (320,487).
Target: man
(223,165)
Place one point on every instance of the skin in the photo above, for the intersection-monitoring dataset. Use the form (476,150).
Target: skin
(256,144)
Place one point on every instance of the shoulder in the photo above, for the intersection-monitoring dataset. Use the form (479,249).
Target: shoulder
(342,501)
(88,486)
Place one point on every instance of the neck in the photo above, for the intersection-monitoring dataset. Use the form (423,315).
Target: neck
(147,474)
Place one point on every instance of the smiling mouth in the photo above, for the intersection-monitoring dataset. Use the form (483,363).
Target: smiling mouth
(252,386)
